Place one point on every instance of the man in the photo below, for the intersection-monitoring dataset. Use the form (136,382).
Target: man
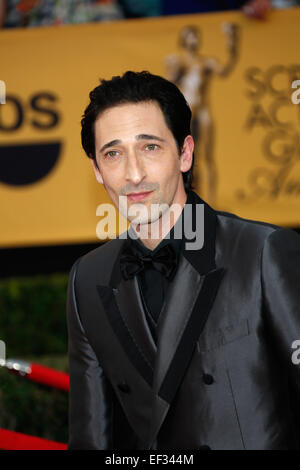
(174,343)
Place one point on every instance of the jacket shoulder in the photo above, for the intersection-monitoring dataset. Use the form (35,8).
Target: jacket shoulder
(235,226)
(98,263)
(247,227)
(248,238)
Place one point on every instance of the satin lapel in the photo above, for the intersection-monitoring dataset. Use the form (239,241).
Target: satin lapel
(124,310)
(187,308)
(131,307)
(189,301)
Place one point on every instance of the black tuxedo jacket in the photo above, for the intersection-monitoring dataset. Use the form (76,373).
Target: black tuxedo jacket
(221,374)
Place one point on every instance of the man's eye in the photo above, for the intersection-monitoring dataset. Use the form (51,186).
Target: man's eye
(152,147)
(111,154)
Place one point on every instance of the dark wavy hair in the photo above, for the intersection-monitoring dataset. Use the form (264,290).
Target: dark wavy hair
(135,87)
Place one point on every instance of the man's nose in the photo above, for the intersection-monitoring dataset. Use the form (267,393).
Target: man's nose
(135,171)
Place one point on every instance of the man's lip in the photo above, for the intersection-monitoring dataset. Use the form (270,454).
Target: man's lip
(138,196)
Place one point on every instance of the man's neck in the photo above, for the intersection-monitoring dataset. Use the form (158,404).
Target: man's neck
(152,234)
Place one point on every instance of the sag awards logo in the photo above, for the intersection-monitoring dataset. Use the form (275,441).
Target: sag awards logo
(26,163)
(272,110)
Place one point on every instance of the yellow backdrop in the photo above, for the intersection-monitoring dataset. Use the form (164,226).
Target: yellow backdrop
(48,73)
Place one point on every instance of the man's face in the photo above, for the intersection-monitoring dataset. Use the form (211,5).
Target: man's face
(138,159)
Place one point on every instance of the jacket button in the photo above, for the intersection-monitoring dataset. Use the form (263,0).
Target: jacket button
(207,379)
(124,387)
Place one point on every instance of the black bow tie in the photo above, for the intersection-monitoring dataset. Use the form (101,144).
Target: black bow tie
(164,260)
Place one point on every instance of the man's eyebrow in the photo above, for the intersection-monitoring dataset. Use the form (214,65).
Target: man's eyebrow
(149,137)
(138,137)
(110,144)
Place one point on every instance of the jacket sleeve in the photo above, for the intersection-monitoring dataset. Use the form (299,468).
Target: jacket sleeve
(281,293)
(90,401)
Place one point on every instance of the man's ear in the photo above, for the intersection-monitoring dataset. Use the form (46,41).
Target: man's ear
(96,171)
(186,157)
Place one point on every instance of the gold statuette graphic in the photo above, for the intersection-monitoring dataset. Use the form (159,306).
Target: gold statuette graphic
(192,72)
